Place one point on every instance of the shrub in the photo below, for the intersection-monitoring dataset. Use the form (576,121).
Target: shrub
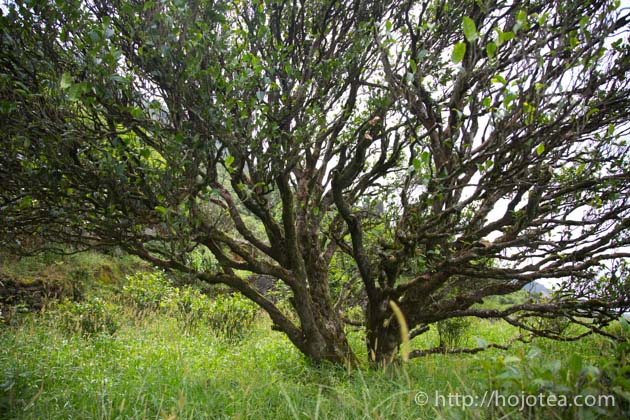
(187,304)
(567,376)
(453,332)
(232,315)
(87,318)
(147,290)
(13,315)
(201,259)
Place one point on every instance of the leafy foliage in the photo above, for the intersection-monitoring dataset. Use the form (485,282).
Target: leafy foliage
(88,318)
(453,332)
(187,304)
(232,315)
(447,152)
(570,377)
(147,290)
(229,315)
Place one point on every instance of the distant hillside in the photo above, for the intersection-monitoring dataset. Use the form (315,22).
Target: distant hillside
(536,288)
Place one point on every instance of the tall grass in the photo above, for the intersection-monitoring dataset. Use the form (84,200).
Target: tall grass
(153,368)
(149,369)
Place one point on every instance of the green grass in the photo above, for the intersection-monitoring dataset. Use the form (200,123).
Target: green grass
(149,369)
(153,368)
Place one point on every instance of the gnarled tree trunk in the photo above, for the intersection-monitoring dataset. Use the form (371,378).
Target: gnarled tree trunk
(383,334)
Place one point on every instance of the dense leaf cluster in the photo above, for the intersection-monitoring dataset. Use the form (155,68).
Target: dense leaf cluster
(441,152)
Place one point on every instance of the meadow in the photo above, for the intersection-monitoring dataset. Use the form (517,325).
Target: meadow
(121,354)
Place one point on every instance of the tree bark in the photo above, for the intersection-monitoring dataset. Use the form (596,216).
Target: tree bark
(322,326)
(383,333)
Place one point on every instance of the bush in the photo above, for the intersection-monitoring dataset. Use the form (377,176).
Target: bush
(567,376)
(187,304)
(232,315)
(13,315)
(453,332)
(201,259)
(147,290)
(86,318)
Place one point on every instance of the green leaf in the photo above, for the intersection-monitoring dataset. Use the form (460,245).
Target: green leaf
(136,112)
(504,37)
(26,202)
(540,149)
(470,30)
(118,78)
(66,81)
(75,91)
(417,164)
(487,101)
(499,79)
(521,21)
(260,95)
(590,113)
(228,161)
(509,98)
(161,209)
(458,52)
(491,49)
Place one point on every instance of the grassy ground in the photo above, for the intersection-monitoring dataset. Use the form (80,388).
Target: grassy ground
(153,368)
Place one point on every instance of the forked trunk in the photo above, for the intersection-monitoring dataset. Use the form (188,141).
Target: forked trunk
(329,346)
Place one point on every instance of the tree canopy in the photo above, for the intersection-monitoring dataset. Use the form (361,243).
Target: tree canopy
(445,151)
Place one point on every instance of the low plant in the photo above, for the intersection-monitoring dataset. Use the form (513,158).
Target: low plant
(90,317)
(147,290)
(453,332)
(187,304)
(232,315)
(574,386)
